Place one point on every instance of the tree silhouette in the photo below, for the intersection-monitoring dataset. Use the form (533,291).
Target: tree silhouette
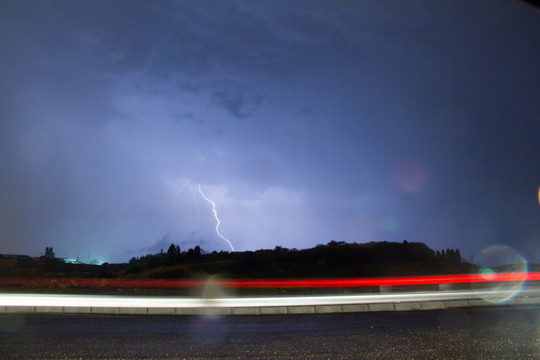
(49,253)
(173,253)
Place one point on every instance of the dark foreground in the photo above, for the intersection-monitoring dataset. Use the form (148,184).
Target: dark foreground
(481,333)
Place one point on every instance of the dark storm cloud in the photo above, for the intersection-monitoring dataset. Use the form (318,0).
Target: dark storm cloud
(362,121)
(236,102)
(189,117)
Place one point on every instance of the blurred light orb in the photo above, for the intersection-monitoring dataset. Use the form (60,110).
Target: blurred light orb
(497,259)
(390,224)
(211,292)
(411,176)
(487,273)
(208,327)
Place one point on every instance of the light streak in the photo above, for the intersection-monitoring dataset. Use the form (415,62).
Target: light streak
(108,301)
(274,283)
(216,217)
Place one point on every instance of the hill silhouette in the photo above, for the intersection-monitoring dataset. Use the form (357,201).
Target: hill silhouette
(335,259)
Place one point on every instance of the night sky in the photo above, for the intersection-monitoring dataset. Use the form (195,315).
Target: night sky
(304,121)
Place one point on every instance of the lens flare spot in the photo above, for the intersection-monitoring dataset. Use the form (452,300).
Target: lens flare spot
(411,176)
(501,259)
(539,195)
(390,224)
(488,274)
(212,291)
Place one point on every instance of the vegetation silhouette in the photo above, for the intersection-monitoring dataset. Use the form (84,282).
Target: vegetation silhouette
(335,259)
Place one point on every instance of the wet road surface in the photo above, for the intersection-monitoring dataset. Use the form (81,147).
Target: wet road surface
(474,333)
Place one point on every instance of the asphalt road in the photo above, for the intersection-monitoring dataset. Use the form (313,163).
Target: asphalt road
(473,333)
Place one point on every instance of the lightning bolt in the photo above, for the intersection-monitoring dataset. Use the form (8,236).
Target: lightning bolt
(188,185)
(216,217)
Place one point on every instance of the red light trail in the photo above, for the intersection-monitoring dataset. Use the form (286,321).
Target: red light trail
(273,283)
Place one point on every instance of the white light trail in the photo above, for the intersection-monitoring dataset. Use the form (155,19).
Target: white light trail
(105,301)
(216,217)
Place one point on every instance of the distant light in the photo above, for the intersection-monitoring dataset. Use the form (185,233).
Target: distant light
(97,262)
(539,195)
